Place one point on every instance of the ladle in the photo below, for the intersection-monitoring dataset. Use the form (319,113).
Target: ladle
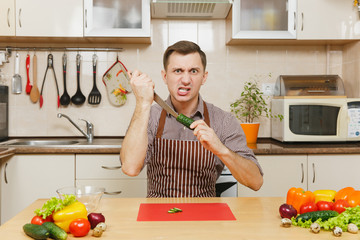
(65,98)
(78,98)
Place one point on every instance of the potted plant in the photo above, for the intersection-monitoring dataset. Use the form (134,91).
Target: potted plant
(249,107)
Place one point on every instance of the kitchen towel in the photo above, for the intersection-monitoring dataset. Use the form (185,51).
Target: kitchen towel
(190,212)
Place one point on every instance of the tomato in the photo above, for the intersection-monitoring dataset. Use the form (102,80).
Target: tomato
(325,205)
(79,227)
(340,205)
(39,220)
(308,207)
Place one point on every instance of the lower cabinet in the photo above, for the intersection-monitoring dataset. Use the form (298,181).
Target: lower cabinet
(104,170)
(281,172)
(332,171)
(27,177)
(310,172)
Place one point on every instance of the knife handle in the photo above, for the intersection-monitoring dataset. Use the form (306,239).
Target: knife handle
(184,120)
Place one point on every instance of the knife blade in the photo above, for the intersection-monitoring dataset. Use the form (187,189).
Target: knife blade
(184,120)
(164,105)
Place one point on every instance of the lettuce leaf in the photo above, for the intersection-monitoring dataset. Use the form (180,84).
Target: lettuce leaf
(55,204)
(350,215)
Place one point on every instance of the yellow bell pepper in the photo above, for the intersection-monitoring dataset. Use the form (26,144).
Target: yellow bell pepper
(64,217)
(324,195)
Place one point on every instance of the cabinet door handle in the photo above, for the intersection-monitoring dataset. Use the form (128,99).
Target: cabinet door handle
(313,165)
(20,17)
(85,18)
(111,168)
(8,17)
(5,176)
(113,193)
(302,21)
(294,20)
(302,172)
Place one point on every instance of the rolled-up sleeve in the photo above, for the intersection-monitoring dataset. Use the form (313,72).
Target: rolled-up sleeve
(234,138)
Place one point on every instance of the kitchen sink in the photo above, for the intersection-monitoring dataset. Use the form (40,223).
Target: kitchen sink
(42,142)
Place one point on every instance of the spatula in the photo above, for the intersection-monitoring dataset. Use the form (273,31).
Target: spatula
(16,80)
(34,93)
(94,96)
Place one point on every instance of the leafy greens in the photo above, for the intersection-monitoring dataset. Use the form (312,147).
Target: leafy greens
(350,215)
(55,204)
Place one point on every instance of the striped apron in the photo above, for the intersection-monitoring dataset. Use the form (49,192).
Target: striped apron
(181,168)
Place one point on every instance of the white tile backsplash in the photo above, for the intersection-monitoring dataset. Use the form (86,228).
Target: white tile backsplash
(229,67)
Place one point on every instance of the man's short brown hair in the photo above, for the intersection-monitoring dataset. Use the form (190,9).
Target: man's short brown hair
(183,47)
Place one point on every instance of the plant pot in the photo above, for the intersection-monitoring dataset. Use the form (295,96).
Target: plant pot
(251,132)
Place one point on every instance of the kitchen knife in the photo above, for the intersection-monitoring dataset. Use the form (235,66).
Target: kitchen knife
(184,120)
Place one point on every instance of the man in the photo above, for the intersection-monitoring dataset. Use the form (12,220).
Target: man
(183,162)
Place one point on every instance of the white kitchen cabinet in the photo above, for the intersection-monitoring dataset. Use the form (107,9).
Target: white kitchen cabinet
(113,18)
(281,172)
(324,19)
(7,18)
(333,171)
(258,19)
(104,170)
(28,177)
(310,172)
(49,18)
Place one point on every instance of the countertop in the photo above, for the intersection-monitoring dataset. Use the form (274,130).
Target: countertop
(256,218)
(112,145)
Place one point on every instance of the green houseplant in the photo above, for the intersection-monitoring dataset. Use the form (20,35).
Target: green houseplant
(250,106)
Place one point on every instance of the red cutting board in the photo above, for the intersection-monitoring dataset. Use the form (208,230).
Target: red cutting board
(190,212)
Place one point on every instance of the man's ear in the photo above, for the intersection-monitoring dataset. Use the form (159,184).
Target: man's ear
(163,75)
(204,77)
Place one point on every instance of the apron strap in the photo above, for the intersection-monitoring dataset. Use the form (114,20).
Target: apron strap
(162,119)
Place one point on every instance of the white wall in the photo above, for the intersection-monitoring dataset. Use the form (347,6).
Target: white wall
(228,66)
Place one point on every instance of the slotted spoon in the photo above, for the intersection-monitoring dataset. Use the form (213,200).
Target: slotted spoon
(94,96)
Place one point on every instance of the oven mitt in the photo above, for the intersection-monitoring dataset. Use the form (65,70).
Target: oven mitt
(117,85)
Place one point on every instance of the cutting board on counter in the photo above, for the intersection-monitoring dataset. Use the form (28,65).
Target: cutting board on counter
(190,212)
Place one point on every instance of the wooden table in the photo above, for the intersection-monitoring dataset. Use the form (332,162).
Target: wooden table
(257,218)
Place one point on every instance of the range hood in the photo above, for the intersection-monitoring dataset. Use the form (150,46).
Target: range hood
(203,9)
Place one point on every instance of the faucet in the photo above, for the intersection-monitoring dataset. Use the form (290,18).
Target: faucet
(89,127)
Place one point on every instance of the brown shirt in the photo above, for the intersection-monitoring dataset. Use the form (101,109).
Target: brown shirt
(225,125)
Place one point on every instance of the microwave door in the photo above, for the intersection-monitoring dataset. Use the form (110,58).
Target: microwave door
(313,120)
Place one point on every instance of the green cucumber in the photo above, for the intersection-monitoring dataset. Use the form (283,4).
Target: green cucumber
(313,216)
(184,120)
(56,232)
(35,231)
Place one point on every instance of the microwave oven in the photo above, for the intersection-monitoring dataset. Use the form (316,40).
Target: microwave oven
(322,119)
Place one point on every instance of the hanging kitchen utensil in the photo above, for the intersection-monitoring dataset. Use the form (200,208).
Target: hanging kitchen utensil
(28,85)
(16,80)
(50,65)
(117,85)
(34,93)
(94,96)
(65,98)
(78,98)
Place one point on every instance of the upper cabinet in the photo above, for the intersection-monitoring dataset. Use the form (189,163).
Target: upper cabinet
(7,18)
(291,19)
(114,18)
(324,19)
(258,19)
(49,18)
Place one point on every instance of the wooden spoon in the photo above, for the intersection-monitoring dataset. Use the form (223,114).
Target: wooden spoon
(34,93)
